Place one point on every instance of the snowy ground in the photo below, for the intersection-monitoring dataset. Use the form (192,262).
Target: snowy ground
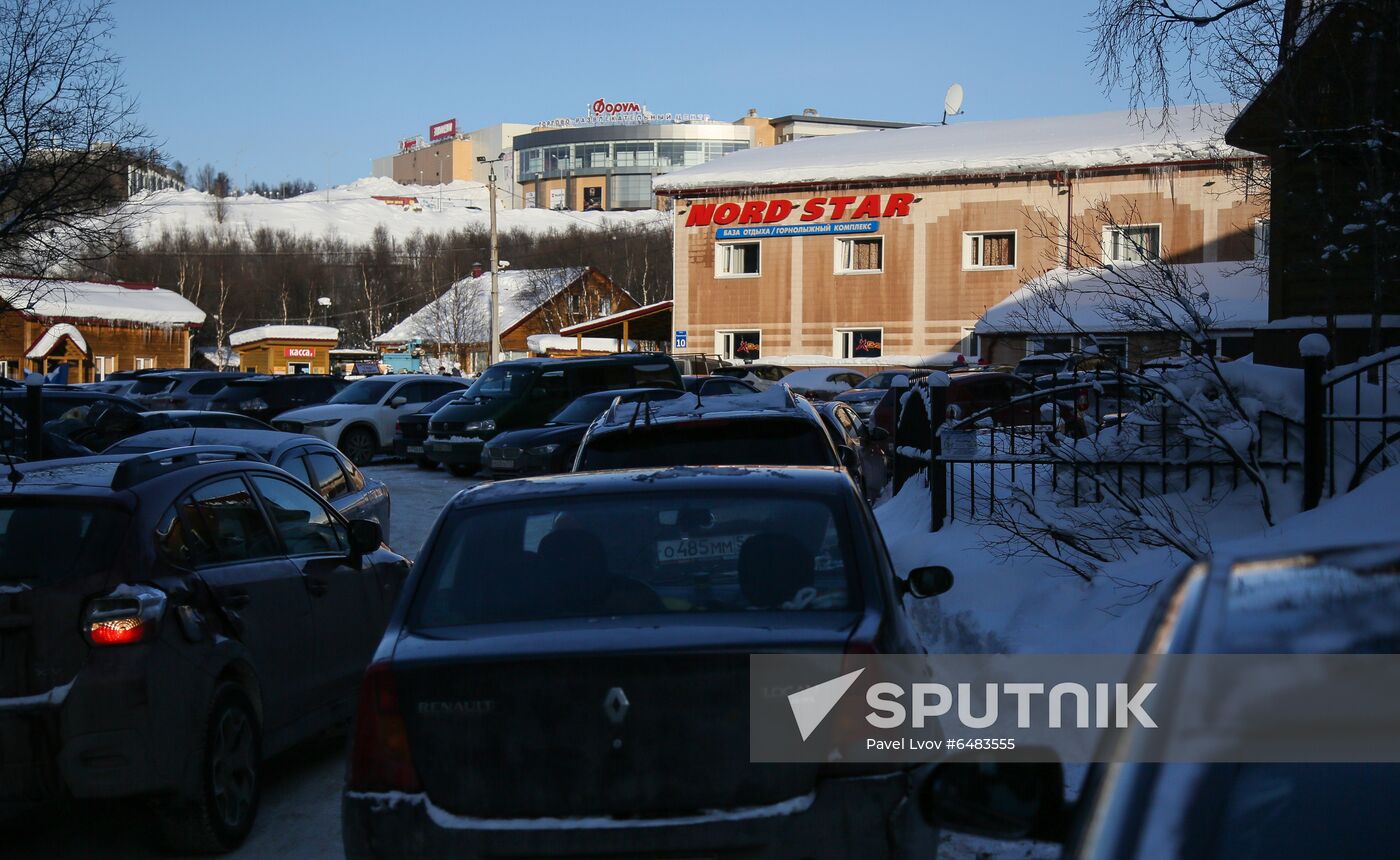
(300,814)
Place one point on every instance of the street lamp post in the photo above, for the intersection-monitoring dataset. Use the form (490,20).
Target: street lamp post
(495,353)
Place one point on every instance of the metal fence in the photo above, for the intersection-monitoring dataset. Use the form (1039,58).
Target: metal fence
(1352,417)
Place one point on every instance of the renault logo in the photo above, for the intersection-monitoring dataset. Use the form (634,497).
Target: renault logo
(615,705)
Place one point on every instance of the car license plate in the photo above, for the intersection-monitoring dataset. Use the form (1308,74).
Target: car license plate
(723,548)
(415,449)
(503,464)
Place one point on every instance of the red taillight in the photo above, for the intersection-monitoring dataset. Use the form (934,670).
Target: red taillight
(117,631)
(398,428)
(1082,403)
(380,759)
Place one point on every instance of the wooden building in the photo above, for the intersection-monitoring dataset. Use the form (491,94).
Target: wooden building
(283,349)
(454,328)
(885,247)
(1329,120)
(94,327)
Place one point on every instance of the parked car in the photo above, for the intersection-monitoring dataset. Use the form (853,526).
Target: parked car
(411,432)
(858,445)
(822,383)
(207,418)
(551,447)
(1307,599)
(115,387)
(624,606)
(312,461)
(867,393)
(760,376)
(971,393)
(1051,364)
(359,420)
(190,390)
(721,385)
(524,393)
(775,428)
(266,397)
(697,363)
(64,409)
(197,611)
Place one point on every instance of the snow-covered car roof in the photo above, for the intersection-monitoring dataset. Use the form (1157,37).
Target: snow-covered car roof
(777,400)
(264,443)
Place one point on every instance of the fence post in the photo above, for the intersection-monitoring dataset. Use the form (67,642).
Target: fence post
(937,470)
(34,418)
(1314,349)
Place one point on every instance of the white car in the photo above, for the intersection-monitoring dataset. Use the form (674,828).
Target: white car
(359,420)
(760,376)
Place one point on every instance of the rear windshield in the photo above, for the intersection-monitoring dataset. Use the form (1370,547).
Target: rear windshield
(764,442)
(46,542)
(152,384)
(502,382)
(680,553)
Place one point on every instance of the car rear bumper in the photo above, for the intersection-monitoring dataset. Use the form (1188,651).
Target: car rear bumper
(867,817)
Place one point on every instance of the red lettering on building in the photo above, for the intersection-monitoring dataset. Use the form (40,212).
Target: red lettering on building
(753,212)
(700,215)
(898,205)
(725,213)
(868,208)
(839,205)
(813,209)
(777,211)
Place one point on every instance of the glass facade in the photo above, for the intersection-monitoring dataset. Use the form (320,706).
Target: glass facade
(553,162)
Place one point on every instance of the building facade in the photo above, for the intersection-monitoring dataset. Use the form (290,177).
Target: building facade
(886,248)
(285,349)
(448,155)
(95,328)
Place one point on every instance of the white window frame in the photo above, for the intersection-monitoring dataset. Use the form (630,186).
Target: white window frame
(102,365)
(1262,235)
(142,362)
(843,337)
(970,265)
(4,369)
(845,245)
(1036,345)
(722,260)
(1108,240)
(971,344)
(728,355)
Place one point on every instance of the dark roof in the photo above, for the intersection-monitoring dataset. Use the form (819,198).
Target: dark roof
(836,120)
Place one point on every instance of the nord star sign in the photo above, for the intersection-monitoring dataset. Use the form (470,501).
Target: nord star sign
(850,208)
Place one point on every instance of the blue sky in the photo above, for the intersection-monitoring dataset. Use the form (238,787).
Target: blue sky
(274,90)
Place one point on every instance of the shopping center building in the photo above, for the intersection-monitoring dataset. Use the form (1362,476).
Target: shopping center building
(886,248)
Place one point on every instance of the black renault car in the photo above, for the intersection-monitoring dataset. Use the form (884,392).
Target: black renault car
(167,621)
(550,448)
(526,392)
(567,674)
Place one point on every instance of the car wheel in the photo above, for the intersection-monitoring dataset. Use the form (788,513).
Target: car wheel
(358,445)
(424,463)
(463,470)
(217,815)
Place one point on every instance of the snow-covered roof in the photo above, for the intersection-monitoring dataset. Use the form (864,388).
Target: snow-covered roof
(93,300)
(461,313)
(49,339)
(619,316)
(284,332)
(543,343)
(962,148)
(1238,292)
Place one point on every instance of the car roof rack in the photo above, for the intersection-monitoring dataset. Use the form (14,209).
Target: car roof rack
(140,468)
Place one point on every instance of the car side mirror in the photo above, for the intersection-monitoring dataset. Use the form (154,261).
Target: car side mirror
(365,537)
(848,457)
(999,799)
(929,581)
(398,401)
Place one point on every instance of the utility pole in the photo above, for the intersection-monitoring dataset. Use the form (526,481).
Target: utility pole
(495,272)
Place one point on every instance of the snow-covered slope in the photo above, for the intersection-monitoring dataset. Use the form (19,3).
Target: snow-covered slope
(351,212)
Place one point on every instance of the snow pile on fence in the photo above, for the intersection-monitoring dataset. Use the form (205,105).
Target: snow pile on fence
(971,148)
(353,212)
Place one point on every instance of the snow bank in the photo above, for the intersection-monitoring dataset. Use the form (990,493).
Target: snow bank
(995,147)
(353,213)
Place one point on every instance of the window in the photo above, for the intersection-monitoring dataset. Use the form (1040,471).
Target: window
(1115,347)
(329,478)
(1261,238)
(736,259)
(1132,244)
(144,363)
(859,342)
(971,344)
(208,386)
(860,255)
(298,368)
(103,365)
(1038,345)
(739,345)
(305,526)
(653,376)
(630,191)
(989,250)
(572,301)
(226,516)
(295,466)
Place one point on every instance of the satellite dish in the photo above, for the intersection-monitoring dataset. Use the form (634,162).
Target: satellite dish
(952,102)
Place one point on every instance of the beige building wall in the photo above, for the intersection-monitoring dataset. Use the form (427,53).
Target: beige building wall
(925,298)
(439,163)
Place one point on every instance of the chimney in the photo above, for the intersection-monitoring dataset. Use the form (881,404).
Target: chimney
(809,111)
(476,270)
(753,111)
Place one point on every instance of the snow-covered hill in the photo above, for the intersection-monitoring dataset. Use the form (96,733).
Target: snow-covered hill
(351,212)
